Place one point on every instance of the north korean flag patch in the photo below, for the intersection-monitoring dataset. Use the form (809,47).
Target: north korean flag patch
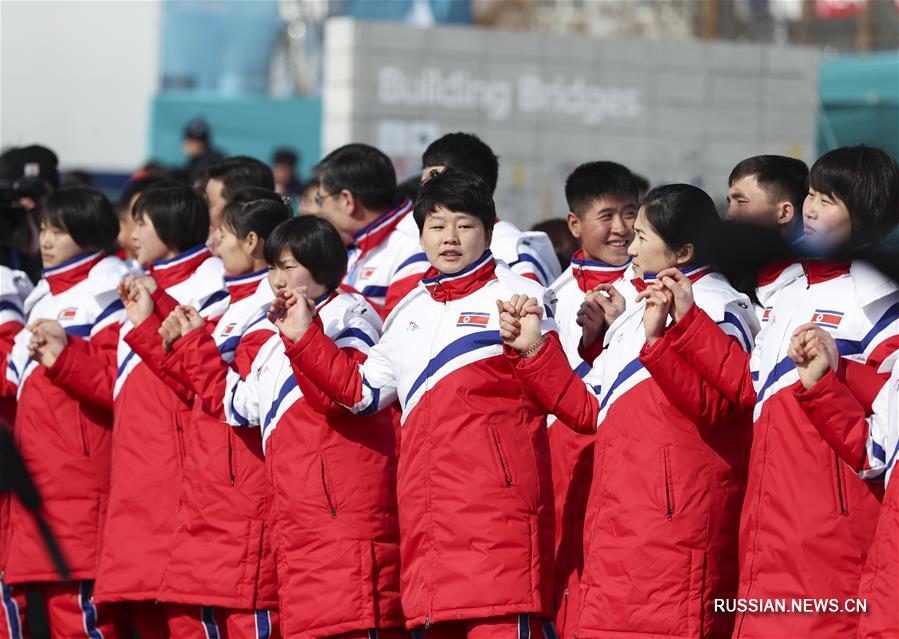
(67,314)
(230,327)
(473,319)
(366,273)
(766,314)
(827,319)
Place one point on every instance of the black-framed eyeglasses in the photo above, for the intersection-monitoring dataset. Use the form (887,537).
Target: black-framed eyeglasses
(319,199)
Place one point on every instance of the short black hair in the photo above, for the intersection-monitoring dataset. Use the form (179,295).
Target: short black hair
(780,177)
(241,171)
(466,152)
(866,180)
(364,171)
(457,191)
(683,214)
(564,243)
(314,243)
(593,180)
(408,188)
(287,156)
(179,214)
(132,188)
(641,182)
(85,214)
(255,210)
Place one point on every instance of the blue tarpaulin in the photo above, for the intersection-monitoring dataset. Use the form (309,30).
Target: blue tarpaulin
(859,101)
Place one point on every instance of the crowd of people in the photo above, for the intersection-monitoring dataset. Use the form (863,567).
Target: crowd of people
(396,413)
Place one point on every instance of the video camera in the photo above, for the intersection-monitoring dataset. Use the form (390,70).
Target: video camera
(12,214)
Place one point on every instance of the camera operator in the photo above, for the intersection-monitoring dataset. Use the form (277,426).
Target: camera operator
(27,176)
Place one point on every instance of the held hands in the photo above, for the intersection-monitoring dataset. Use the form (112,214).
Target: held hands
(659,302)
(681,289)
(48,339)
(136,294)
(601,307)
(813,351)
(292,313)
(179,323)
(519,322)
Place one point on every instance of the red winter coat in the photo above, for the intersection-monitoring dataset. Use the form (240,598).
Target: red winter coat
(219,553)
(148,433)
(339,571)
(669,473)
(8,331)
(473,485)
(65,441)
(571,453)
(808,519)
(334,512)
(842,421)
(880,582)
(333,508)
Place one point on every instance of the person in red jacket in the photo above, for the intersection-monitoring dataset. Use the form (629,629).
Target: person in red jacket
(473,487)
(602,201)
(220,568)
(64,439)
(333,507)
(14,288)
(808,519)
(670,451)
(869,444)
(149,416)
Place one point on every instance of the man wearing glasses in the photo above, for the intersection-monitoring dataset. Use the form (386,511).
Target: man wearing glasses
(357,194)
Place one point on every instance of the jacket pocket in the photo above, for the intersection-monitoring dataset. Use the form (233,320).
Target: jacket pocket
(840,486)
(591,515)
(179,440)
(501,457)
(229,433)
(82,428)
(667,482)
(327,489)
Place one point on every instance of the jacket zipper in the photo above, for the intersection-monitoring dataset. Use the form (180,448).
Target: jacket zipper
(670,510)
(563,611)
(502,457)
(843,509)
(566,594)
(230,457)
(179,431)
(327,490)
(84,446)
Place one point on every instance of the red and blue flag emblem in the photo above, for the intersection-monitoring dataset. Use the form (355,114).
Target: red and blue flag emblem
(473,319)
(827,319)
